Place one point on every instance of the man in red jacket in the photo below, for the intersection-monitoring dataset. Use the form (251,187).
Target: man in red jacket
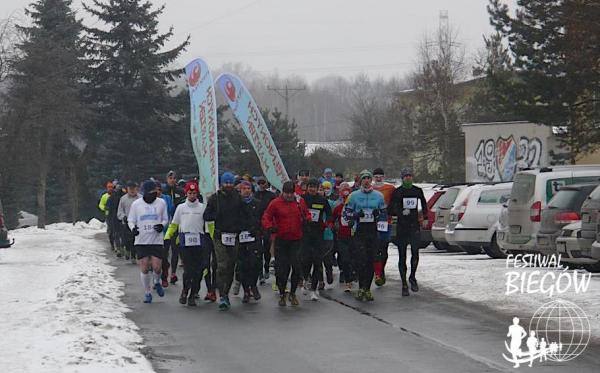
(285,217)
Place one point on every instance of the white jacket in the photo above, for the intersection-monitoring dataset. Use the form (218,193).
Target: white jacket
(145,216)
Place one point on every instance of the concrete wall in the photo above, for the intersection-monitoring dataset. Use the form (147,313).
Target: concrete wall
(496,151)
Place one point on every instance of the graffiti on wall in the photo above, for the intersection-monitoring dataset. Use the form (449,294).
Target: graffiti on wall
(500,159)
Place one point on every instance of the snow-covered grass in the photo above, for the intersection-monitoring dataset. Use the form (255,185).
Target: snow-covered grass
(60,305)
(480,279)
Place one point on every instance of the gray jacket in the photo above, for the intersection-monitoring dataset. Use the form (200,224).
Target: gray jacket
(124,205)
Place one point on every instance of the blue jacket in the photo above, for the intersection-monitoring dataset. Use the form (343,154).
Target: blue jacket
(365,208)
(170,205)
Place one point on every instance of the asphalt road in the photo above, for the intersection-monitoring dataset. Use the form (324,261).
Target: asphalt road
(426,332)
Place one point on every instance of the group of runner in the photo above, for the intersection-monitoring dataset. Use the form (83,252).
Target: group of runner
(232,239)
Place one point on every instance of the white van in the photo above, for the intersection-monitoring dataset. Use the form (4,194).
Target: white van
(473,221)
(531,191)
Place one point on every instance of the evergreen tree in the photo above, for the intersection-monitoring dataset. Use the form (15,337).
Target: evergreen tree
(554,46)
(129,83)
(44,110)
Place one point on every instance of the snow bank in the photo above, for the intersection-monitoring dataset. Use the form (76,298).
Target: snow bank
(61,310)
(480,279)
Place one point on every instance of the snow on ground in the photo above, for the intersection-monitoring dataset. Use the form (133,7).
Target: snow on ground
(61,308)
(480,279)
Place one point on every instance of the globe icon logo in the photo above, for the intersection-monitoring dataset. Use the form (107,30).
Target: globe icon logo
(564,327)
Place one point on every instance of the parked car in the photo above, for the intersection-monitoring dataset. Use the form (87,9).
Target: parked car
(454,195)
(574,250)
(472,224)
(563,209)
(496,249)
(4,242)
(531,192)
(432,201)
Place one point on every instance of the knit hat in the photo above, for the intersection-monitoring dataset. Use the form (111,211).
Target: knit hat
(148,186)
(288,187)
(191,186)
(326,184)
(227,178)
(378,171)
(171,173)
(405,172)
(365,173)
(328,170)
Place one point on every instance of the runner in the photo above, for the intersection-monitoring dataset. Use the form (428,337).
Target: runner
(303,177)
(327,176)
(285,217)
(170,211)
(112,205)
(344,238)
(147,219)
(404,204)
(110,187)
(312,240)
(384,237)
(250,255)
(365,208)
(188,222)
(178,196)
(328,235)
(228,212)
(265,196)
(122,213)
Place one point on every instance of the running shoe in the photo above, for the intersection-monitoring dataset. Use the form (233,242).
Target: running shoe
(159,290)
(413,284)
(282,301)
(255,293)
(165,283)
(379,281)
(368,296)
(314,296)
(322,285)
(148,298)
(211,296)
(293,299)
(223,304)
(174,279)
(360,295)
(191,301)
(183,296)
(405,292)
(236,287)
(227,301)
(348,288)
(246,297)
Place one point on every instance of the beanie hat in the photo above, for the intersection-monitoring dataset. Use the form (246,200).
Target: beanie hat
(378,171)
(191,186)
(227,178)
(365,173)
(406,172)
(148,186)
(328,170)
(171,173)
(313,182)
(326,184)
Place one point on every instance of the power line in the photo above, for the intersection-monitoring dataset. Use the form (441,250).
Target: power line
(285,94)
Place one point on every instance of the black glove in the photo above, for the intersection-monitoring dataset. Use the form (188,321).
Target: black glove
(135,231)
(125,220)
(167,243)
(158,228)
(361,214)
(376,214)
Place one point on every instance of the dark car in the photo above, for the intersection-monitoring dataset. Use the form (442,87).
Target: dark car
(4,242)
(564,208)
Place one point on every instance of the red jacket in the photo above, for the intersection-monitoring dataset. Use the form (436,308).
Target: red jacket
(344,231)
(287,217)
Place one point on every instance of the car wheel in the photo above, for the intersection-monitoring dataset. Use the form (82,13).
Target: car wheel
(440,245)
(494,251)
(471,250)
(594,268)
(424,244)
(454,249)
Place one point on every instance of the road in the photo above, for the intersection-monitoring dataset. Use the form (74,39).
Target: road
(426,332)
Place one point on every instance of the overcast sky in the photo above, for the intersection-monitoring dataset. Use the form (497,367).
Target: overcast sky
(312,38)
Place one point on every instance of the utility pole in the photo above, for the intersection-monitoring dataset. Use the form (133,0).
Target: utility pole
(285,94)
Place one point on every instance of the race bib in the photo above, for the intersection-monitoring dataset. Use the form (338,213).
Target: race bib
(314,215)
(192,239)
(228,239)
(409,203)
(382,226)
(368,218)
(147,228)
(246,237)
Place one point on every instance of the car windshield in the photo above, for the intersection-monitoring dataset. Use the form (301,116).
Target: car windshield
(596,193)
(523,188)
(448,198)
(494,196)
(569,199)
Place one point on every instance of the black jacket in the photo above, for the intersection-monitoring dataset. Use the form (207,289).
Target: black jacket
(320,204)
(404,206)
(177,194)
(228,211)
(255,210)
